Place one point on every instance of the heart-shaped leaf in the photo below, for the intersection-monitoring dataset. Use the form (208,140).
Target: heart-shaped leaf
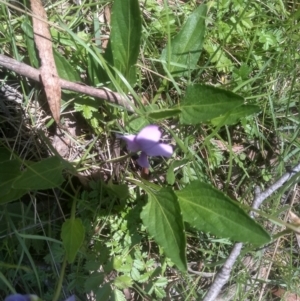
(5,155)
(41,175)
(9,172)
(126,28)
(187,45)
(72,235)
(236,114)
(64,68)
(11,195)
(163,220)
(209,210)
(203,103)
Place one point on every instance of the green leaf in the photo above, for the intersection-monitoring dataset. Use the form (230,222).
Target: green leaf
(11,195)
(242,72)
(170,171)
(120,191)
(117,296)
(162,218)
(164,114)
(5,155)
(87,112)
(123,281)
(94,281)
(94,123)
(64,68)
(235,115)
(203,103)
(209,210)
(96,74)
(144,277)
(247,23)
(103,76)
(137,123)
(162,282)
(97,29)
(170,175)
(135,274)
(72,235)
(126,28)
(104,293)
(31,50)
(159,292)
(41,175)
(187,45)
(9,172)
(14,183)
(88,107)
(218,56)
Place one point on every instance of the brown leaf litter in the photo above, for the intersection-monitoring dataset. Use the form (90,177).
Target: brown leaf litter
(48,71)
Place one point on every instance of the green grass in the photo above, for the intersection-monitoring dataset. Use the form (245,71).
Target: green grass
(250,48)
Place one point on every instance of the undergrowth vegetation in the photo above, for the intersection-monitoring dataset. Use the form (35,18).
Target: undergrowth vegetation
(105,206)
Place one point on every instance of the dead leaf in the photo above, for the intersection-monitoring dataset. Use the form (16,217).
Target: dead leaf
(107,14)
(295,220)
(236,148)
(48,70)
(62,141)
(285,295)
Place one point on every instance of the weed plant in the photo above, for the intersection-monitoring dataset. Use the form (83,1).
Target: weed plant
(93,232)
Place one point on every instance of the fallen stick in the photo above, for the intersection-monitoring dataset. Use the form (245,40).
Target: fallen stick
(34,74)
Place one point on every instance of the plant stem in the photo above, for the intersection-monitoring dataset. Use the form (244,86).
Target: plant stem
(60,280)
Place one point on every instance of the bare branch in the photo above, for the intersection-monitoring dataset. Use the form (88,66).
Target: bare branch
(224,274)
(261,196)
(34,74)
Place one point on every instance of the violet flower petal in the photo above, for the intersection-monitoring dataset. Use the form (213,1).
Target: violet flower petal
(132,146)
(143,160)
(160,149)
(148,137)
(147,141)
(17,297)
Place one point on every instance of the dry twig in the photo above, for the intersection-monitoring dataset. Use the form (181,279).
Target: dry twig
(34,74)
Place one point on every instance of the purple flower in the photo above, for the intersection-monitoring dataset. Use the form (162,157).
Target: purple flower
(147,141)
(18,297)
(71,298)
